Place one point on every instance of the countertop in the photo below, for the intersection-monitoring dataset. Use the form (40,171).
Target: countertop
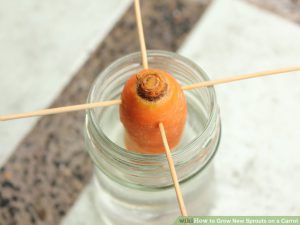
(45,171)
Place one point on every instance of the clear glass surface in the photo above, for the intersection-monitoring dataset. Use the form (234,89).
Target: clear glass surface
(135,188)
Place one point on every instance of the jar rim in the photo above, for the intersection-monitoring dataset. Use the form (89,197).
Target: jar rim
(123,152)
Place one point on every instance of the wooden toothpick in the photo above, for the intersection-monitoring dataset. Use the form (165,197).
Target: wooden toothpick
(240,77)
(59,110)
(45,112)
(173,171)
(141,33)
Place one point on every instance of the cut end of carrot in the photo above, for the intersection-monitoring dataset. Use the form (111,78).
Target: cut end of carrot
(151,84)
(148,98)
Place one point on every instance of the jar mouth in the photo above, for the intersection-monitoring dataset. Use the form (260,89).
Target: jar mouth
(123,153)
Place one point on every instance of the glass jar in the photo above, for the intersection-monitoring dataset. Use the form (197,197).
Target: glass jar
(134,188)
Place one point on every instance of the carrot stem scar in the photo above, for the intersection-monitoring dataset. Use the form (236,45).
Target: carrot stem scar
(151,86)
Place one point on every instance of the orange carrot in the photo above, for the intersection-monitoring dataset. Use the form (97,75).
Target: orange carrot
(148,98)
